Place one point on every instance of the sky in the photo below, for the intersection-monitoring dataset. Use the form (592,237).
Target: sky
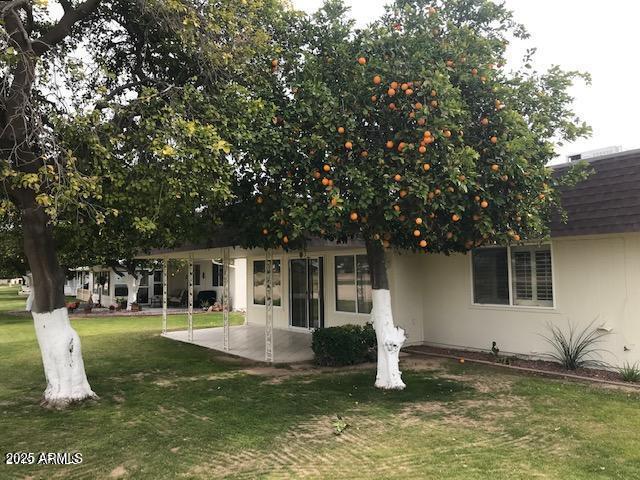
(598,37)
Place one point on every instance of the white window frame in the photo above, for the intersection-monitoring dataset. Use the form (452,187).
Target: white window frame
(511,305)
(282,297)
(355,282)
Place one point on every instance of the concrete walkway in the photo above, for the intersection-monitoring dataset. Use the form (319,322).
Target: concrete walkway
(248,341)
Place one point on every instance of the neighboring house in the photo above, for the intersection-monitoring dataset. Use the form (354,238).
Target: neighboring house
(105,286)
(589,271)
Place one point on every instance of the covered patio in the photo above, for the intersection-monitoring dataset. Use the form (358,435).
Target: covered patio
(248,341)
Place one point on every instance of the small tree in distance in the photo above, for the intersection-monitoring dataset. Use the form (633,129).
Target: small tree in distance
(409,134)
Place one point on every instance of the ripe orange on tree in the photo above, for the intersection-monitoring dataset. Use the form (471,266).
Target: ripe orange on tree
(353,216)
(362,60)
(377,80)
(326,167)
(348,145)
(426,167)
(484,204)
(340,130)
(417,233)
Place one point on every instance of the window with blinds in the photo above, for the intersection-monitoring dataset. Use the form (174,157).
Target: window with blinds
(513,276)
(531,274)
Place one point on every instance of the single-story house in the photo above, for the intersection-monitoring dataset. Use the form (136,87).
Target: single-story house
(107,286)
(588,272)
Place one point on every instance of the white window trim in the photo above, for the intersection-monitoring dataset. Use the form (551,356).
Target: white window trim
(253,300)
(355,282)
(512,306)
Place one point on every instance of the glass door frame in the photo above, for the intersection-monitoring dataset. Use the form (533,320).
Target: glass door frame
(308,328)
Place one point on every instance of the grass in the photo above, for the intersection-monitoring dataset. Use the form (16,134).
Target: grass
(171,410)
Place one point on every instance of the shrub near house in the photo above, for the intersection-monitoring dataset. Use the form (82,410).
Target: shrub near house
(344,345)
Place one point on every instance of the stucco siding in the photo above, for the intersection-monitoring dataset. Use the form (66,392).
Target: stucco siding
(595,278)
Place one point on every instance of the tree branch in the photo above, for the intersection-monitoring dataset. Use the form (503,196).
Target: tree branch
(14,5)
(62,29)
(66,5)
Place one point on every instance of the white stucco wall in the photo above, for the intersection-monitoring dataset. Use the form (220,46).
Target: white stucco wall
(594,278)
(238,286)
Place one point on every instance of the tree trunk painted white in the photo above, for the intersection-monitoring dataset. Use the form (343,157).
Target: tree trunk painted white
(62,359)
(29,304)
(390,340)
(133,285)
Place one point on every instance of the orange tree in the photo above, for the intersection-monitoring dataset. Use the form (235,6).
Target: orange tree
(409,134)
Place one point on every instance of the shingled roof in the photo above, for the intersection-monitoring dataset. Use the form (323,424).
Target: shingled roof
(607,202)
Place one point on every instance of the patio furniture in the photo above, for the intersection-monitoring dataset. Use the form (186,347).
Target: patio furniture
(178,299)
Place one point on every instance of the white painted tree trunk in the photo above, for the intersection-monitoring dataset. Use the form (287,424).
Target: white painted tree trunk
(133,285)
(62,359)
(390,340)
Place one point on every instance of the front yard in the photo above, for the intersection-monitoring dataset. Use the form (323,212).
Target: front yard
(172,410)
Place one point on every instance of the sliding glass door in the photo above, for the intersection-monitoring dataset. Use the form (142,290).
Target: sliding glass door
(305,292)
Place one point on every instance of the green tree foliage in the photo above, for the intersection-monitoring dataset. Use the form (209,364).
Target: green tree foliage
(140,109)
(411,131)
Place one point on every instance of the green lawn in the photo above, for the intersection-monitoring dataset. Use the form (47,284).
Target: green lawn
(171,410)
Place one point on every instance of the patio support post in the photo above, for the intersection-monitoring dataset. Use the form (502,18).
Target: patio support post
(165,269)
(225,295)
(268,329)
(190,300)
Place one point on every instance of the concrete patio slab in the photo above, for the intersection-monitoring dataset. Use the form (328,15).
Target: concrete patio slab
(248,341)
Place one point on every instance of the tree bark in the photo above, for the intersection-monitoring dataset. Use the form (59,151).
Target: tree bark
(390,338)
(59,343)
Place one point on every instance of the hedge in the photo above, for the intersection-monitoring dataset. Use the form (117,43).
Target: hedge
(344,345)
